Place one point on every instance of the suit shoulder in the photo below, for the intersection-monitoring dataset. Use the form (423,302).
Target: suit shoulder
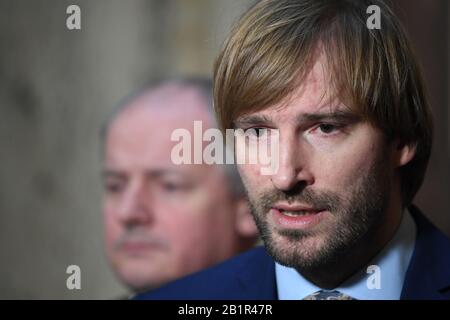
(428,233)
(219,282)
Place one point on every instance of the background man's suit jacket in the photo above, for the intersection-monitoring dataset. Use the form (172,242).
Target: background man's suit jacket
(252,275)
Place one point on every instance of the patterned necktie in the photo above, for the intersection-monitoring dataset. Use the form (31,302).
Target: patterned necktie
(328,295)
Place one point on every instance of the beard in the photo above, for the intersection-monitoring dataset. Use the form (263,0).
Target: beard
(353,219)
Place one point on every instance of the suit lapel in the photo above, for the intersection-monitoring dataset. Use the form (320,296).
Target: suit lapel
(428,275)
(257,277)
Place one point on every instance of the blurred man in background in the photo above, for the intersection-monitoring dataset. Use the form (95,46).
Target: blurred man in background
(163,221)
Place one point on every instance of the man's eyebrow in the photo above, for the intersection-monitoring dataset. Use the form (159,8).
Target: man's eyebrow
(157,173)
(251,120)
(338,115)
(152,173)
(111,173)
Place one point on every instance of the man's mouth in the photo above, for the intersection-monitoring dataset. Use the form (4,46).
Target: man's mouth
(296,216)
(296,210)
(292,213)
(138,244)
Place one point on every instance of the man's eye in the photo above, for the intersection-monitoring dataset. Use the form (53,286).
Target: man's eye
(257,132)
(327,128)
(170,187)
(174,187)
(113,187)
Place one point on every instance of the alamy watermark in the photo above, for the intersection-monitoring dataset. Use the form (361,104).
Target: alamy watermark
(252,146)
(73,281)
(374,280)
(73,21)
(374,20)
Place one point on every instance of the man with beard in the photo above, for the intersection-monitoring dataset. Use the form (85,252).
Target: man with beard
(355,135)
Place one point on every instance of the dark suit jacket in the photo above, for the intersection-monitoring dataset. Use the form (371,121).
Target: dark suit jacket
(252,275)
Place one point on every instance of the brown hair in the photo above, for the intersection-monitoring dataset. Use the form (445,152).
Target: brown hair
(272,47)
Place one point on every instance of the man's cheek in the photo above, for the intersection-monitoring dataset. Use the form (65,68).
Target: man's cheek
(113,227)
(343,173)
(251,175)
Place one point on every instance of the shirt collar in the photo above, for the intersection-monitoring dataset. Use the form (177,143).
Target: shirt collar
(391,266)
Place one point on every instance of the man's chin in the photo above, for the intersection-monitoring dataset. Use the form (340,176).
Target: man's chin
(300,251)
(139,280)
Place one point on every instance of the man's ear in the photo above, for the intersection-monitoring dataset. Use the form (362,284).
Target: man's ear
(404,152)
(245,225)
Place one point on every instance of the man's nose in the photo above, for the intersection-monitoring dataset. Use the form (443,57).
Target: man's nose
(135,205)
(293,165)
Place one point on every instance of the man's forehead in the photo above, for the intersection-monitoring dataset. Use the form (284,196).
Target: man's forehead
(146,129)
(175,114)
(315,93)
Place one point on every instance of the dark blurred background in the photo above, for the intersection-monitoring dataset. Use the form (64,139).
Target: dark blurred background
(57,86)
